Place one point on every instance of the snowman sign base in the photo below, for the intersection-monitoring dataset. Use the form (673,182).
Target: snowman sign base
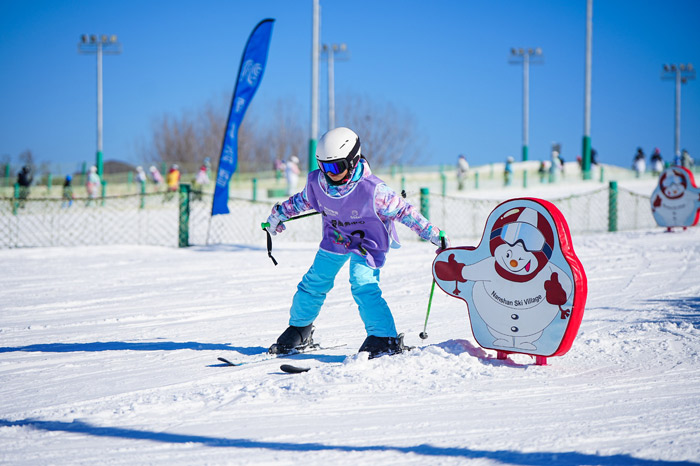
(524,287)
(539,360)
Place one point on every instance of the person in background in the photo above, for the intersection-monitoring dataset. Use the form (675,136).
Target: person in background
(291,172)
(542,171)
(639,163)
(24,180)
(278,167)
(67,194)
(462,171)
(173,178)
(156,177)
(141,178)
(508,171)
(686,160)
(555,169)
(657,162)
(200,182)
(92,185)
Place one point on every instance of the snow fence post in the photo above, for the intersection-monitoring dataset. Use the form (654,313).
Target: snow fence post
(255,189)
(184,223)
(425,202)
(15,203)
(612,207)
(143,195)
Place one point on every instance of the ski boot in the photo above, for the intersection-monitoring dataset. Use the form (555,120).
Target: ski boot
(294,339)
(380,346)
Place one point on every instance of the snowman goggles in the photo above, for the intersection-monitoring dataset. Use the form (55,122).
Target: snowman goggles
(531,238)
(673,179)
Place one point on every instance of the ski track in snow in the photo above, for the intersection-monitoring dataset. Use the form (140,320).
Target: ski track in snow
(108,356)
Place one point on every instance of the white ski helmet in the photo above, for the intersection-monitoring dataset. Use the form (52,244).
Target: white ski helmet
(338,150)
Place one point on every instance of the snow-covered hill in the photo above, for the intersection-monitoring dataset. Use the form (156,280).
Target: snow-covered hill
(108,356)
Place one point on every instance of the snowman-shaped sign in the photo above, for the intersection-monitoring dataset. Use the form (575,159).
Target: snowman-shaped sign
(524,287)
(676,200)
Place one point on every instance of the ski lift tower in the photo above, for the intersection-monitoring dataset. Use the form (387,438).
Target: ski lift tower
(523,56)
(99,45)
(681,74)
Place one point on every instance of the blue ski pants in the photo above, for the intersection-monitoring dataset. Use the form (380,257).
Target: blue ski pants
(364,284)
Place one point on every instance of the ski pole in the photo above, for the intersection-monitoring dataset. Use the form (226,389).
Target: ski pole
(266,225)
(423,335)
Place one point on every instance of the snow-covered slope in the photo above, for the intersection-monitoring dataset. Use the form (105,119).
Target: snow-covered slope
(108,356)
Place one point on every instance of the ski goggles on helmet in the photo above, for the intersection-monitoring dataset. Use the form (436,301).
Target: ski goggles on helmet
(336,167)
(531,238)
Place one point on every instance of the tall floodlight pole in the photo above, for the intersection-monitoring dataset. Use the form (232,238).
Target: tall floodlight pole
(314,86)
(522,56)
(331,51)
(681,74)
(99,45)
(586,154)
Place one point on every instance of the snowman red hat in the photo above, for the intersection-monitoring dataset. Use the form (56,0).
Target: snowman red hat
(526,226)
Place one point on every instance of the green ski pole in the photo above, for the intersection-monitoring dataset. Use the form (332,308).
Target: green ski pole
(423,335)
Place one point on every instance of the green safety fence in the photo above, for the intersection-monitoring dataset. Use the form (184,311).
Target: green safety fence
(180,219)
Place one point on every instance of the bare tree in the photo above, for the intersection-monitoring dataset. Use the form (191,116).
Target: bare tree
(388,134)
(282,137)
(26,158)
(193,136)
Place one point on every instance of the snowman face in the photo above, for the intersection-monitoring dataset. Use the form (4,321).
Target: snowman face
(516,259)
(673,186)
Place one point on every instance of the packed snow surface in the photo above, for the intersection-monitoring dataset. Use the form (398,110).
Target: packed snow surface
(108,355)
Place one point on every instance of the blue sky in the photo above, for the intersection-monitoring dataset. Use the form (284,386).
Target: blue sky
(444,61)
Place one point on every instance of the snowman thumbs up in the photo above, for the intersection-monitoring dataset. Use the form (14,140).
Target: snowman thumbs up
(556,294)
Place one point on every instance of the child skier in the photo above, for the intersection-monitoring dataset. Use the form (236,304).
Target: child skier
(358,212)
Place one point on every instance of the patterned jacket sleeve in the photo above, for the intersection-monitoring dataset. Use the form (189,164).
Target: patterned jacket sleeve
(294,206)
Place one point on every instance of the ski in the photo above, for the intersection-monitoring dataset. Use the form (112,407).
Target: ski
(262,357)
(289,369)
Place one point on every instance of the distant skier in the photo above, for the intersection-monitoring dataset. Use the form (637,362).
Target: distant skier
(657,162)
(141,177)
(462,171)
(24,180)
(508,171)
(67,193)
(686,160)
(639,163)
(359,211)
(92,184)
(156,177)
(291,172)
